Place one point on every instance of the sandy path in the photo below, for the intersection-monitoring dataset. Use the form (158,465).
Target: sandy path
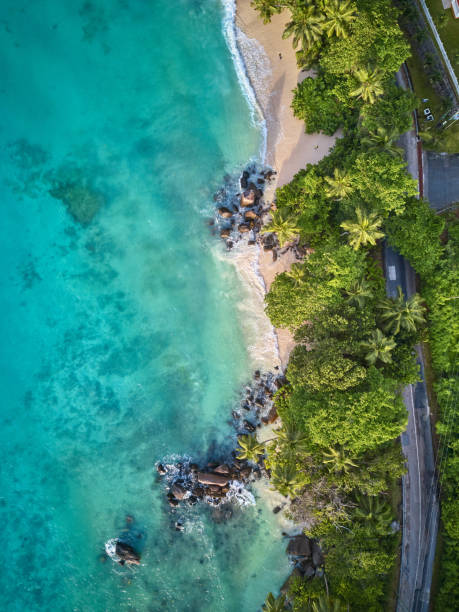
(289,148)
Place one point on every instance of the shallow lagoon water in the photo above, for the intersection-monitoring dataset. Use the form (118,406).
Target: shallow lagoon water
(122,334)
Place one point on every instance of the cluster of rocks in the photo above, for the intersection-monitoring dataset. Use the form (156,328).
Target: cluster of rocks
(241,207)
(306,556)
(220,483)
(257,406)
(214,483)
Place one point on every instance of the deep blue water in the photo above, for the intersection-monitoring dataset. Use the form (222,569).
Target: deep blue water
(121,332)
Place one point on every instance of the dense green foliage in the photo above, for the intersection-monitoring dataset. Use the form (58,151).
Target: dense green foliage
(342,410)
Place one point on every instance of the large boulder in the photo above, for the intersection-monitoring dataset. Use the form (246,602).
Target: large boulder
(178,491)
(127,554)
(299,546)
(207,478)
(222,469)
(248,198)
(251,214)
(317,555)
(225,212)
(243,228)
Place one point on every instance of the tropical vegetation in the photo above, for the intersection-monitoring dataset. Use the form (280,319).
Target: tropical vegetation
(339,457)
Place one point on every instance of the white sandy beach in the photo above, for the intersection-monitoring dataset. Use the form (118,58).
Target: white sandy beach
(289,149)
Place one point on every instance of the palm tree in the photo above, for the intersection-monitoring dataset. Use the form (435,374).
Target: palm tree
(364,230)
(296,274)
(338,16)
(372,509)
(291,439)
(359,292)
(378,347)
(325,604)
(400,314)
(266,8)
(250,448)
(382,140)
(306,26)
(338,460)
(286,478)
(285,228)
(370,85)
(274,604)
(340,185)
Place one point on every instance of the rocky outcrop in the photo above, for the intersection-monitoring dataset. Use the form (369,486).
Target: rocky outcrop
(127,554)
(299,546)
(207,478)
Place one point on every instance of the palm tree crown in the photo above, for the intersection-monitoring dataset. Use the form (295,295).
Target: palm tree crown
(364,230)
(339,185)
(291,439)
(325,604)
(285,228)
(250,449)
(359,292)
(382,140)
(306,26)
(296,274)
(378,347)
(370,85)
(398,313)
(274,604)
(338,16)
(287,479)
(338,460)
(372,509)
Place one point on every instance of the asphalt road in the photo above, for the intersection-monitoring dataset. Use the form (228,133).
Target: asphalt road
(420,503)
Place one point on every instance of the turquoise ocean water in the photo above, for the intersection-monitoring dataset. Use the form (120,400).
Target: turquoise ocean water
(121,332)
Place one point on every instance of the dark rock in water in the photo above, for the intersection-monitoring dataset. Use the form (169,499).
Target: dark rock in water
(179,526)
(317,556)
(194,467)
(229,245)
(225,212)
(222,469)
(257,374)
(277,509)
(173,502)
(127,554)
(299,546)
(243,228)
(260,181)
(212,479)
(178,491)
(161,469)
(249,426)
(225,233)
(250,214)
(192,500)
(244,179)
(235,415)
(198,492)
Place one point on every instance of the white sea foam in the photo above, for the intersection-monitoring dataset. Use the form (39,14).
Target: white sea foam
(232,36)
(258,332)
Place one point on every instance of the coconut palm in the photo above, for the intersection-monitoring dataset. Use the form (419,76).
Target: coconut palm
(359,292)
(325,604)
(337,460)
(373,509)
(382,140)
(378,346)
(398,313)
(287,479)
(370,85)
(364,230)
(296,274)
(291,439)
(266,8)
(339,185)
(339,15)
(285,228)
(250,449)
(306,26)
(274,604)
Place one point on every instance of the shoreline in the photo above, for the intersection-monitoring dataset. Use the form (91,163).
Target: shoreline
(288,148)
